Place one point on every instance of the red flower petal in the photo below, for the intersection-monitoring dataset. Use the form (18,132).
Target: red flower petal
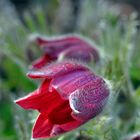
(88,100)
(27,102)
(56,117)
(70,125)
(71,46)
(54,70)
(41,99)
(53,47)
(63,128)
(42,127)
(59,41)
(36,99)
(42,61)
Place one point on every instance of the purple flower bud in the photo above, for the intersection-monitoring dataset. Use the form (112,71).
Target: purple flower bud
(66,47)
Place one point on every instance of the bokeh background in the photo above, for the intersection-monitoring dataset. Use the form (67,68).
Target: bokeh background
(113,26)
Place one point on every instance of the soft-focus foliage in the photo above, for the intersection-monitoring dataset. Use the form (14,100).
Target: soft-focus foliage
(115,34)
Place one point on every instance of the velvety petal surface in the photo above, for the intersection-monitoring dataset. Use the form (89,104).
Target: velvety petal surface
(71,46)
(54,46)
(89,100)
(84,54)
(68,83)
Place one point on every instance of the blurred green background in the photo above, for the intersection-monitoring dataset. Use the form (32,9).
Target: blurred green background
(112,25)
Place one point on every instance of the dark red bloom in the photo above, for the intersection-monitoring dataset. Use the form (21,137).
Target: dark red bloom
(134,137)
(70,95)
(70,47)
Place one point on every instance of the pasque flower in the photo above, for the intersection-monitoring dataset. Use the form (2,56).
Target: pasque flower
(134,137)
(69,96)
(70,47)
